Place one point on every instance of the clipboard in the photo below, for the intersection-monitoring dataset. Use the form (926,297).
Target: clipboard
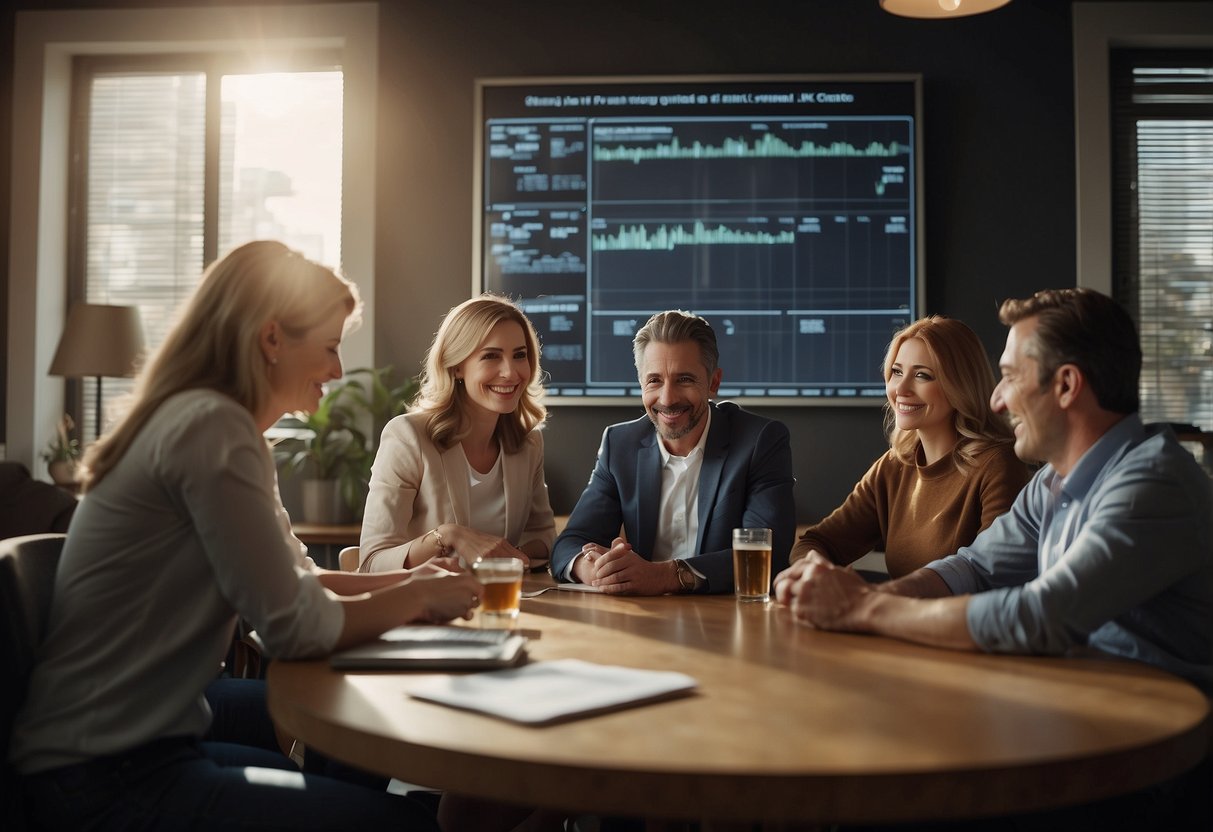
(424,647)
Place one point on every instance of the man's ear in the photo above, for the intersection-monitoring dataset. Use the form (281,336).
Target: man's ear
(714,382)
(270,339)
(1068,384)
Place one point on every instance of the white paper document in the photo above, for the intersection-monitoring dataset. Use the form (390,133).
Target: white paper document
(579,587)
(552,691)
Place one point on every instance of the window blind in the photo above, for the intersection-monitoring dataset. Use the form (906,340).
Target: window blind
(178,160)
(1163,224)
(146,154)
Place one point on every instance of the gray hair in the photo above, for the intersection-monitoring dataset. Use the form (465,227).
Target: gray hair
(675,327)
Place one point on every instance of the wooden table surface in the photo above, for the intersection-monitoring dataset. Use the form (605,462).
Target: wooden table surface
(788,723)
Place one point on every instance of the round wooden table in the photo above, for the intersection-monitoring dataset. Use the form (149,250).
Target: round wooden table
(788,724)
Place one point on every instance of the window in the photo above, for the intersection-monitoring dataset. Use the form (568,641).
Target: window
(1163,224)
(178,160)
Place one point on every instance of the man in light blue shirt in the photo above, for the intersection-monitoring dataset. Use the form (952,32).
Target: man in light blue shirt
(1110,545)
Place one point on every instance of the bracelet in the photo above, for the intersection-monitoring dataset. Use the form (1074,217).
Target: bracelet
(443,549)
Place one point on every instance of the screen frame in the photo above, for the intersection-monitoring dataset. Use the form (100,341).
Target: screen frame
(918,237)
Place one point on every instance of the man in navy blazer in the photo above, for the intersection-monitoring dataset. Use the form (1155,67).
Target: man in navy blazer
(679,479)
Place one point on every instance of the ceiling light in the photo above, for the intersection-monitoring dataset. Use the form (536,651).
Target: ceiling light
(940,8)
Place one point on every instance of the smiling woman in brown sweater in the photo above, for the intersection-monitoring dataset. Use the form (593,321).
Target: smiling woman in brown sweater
(950,469)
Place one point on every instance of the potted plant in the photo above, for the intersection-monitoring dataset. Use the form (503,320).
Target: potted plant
(333,447)
(62,453)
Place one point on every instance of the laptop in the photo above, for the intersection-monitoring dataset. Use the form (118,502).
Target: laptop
(426,647)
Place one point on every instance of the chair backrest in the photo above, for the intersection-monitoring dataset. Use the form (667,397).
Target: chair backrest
(27,582)
(30,506)
(347,559)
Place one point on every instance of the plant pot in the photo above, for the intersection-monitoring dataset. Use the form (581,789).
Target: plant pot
(322,503)
(62,471)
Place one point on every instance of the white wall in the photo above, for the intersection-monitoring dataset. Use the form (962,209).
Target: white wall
(45,44)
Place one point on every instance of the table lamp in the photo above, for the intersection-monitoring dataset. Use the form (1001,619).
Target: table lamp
(99,340)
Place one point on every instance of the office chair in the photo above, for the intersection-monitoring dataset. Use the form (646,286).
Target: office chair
(347,559)
(30,506)
(27,582)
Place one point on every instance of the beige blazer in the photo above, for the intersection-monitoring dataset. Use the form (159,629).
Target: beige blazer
(415,486)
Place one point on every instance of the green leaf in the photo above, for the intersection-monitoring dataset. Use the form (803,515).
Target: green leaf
(345,430)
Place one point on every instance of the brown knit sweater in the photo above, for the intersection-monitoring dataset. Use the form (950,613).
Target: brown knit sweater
(917,513)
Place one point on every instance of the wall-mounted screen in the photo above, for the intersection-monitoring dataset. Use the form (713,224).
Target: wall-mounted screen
(786,211)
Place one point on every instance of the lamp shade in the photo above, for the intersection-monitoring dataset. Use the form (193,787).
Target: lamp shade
(940,8)
(99,341)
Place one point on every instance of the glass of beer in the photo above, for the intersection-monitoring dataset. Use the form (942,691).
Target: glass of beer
(502,581)
(752,564)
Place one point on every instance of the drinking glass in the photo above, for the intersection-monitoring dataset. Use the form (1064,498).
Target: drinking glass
(502,580)
(752,564)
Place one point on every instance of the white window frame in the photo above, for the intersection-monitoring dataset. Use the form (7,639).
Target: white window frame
(46,43)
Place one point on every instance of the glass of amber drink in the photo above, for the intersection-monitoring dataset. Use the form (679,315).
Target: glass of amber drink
(502,581)
(752,564)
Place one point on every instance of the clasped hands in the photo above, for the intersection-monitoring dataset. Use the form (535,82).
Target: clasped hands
(618,570)
(821,594)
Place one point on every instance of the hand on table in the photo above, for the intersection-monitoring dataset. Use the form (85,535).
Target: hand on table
(584,567)
(620,571)
(472,545)
(438,567)
(446,597)
(821,594)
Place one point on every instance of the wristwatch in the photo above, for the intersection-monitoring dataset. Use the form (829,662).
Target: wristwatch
(688,581)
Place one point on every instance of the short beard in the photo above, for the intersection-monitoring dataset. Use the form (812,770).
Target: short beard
(693,421)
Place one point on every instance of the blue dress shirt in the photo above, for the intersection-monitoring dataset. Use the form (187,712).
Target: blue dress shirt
(1117,555)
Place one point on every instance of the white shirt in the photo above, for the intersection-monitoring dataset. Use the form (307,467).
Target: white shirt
(678,516)
(487,507)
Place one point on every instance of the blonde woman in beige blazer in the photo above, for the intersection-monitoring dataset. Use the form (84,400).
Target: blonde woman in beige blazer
(461,474)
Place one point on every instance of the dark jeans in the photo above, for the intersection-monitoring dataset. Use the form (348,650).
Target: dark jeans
(241,715)
(236,779)
(183,784)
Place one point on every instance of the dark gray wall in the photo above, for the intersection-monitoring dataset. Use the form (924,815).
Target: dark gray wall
(999,168)
(999,171)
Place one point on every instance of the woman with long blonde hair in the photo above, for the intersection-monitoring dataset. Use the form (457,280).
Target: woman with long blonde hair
(181,533)
(950,468)
(462,472)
